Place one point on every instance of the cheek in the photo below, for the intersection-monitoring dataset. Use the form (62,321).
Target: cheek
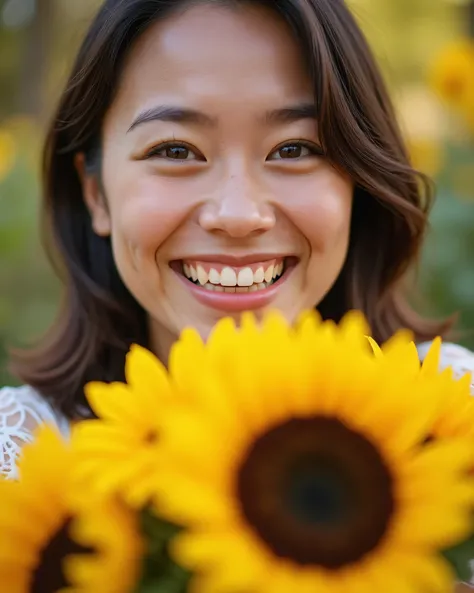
(321,207)
(145,213)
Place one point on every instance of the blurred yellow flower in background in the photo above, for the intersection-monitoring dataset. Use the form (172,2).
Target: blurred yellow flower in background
(422,120)
(28,135)
(8,153)
(452,78)
(426,155)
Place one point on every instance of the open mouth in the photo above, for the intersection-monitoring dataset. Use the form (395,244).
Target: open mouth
(235,279)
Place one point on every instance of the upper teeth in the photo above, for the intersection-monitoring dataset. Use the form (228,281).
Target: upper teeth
(230,277)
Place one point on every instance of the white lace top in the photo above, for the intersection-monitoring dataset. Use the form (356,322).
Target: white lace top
(21,411)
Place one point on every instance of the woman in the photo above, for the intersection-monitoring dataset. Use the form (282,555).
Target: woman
(209,157)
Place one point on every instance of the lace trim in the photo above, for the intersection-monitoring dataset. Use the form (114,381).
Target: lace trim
(22,410)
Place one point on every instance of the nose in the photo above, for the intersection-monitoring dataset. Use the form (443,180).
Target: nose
(241,209)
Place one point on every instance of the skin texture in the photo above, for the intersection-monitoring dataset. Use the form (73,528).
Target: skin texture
(236,193)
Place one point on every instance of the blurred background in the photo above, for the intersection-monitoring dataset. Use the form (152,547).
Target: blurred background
(426,50)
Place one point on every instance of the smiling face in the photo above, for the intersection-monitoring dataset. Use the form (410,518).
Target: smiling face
(217,196)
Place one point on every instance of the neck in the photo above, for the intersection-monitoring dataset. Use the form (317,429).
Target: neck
(161,341)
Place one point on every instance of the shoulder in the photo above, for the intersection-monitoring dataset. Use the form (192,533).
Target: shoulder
(454,356)
(22,410)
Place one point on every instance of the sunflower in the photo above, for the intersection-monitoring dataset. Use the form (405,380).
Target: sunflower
(452,72)
(293,462)
(53,540)
(118,451)
(452,77)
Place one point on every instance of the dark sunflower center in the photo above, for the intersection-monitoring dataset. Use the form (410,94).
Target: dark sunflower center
(49,576)
(316,492)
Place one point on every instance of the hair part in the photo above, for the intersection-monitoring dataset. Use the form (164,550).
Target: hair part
(100,319)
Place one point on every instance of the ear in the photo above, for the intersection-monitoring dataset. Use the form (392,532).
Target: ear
(93,198)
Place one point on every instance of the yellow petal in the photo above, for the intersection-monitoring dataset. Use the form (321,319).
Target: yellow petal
(111,401)
(193,502)
(431,361)
(353,330)
(148,379)
(375,347)
(232,559)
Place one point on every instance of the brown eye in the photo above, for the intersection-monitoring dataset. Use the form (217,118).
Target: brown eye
(294,151)
(177,152)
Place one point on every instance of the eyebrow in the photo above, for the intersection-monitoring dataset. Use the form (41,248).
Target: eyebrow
(178,115)
(291,114)
(182,115)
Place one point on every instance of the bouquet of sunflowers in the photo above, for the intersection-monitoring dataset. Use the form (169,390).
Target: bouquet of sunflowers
(272,459)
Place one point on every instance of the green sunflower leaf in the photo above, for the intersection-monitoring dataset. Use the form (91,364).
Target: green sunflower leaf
(160,573)
(461,558)
(175,582)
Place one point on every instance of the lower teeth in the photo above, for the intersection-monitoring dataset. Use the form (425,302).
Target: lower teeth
(234,289)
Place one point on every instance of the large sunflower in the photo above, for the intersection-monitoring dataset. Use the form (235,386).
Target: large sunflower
(118,451)
(296,464)
(54,540)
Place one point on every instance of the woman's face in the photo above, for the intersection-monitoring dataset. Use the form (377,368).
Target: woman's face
(217,198)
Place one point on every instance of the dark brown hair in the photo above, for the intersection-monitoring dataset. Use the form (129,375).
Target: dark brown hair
(100,318)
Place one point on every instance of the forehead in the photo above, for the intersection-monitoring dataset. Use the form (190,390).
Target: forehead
(210,51)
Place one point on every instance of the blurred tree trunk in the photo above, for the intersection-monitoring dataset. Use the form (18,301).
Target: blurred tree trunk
(35,61)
